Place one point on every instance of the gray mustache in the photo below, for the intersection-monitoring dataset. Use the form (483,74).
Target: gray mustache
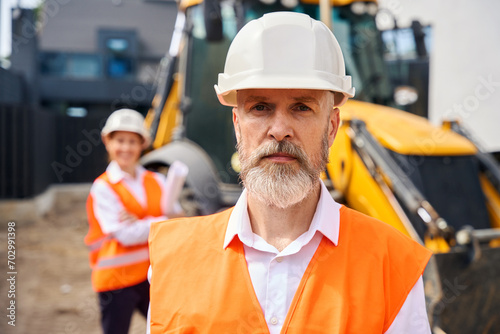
(283,146)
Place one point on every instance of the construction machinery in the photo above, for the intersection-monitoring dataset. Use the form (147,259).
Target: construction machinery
(434,184)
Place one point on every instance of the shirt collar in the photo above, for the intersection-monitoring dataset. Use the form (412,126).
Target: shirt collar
(326,220)
(116,174)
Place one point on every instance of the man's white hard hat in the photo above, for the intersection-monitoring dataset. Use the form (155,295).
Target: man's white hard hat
(283,50)
(127,120)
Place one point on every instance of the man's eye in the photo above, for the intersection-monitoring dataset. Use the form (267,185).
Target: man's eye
(259,107)
(302,107)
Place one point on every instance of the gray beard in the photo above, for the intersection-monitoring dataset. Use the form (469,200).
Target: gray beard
(281,185)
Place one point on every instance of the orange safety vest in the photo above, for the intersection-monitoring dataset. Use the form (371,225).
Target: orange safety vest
(356,287)
(115,266)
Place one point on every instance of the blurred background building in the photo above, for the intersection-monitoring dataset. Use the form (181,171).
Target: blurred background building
(71,64)
(107,56)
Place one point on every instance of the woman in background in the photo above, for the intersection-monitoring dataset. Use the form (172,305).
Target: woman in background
(122,204)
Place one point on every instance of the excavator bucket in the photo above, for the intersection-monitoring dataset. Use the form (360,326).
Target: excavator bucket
(469,301)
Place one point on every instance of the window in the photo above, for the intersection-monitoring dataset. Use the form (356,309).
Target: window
(117,45)
(119,49)
(71,65)
(401,42)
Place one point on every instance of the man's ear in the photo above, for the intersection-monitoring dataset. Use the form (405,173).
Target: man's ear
(333,125)
(235,123)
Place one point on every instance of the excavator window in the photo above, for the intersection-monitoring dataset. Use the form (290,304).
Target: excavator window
(455,193)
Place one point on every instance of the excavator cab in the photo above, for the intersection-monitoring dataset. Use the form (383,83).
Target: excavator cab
(434,184)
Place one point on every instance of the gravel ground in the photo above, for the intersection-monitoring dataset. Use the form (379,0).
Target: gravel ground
(53,290)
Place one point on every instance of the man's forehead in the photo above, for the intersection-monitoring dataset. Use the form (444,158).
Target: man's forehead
(266,95)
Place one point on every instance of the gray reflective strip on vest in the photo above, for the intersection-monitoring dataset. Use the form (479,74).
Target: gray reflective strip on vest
(96,244)
(124,259)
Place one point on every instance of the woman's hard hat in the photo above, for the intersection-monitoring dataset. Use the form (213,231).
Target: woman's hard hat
(126,120)
(283,50)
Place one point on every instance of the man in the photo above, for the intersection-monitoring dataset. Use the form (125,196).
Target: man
(287,257)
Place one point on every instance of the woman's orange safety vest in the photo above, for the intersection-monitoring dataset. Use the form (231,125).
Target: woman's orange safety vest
(356,287)
(115,266)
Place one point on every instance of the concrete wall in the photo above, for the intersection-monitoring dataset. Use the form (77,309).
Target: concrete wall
(71,25)
(464,73)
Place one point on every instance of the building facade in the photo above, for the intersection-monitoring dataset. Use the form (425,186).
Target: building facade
(96,56)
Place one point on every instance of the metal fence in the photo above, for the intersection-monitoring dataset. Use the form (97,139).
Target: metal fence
(11,87)
(80,154)
(40,148)
(15,152)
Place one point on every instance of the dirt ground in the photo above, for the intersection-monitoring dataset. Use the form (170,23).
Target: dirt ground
(53,290)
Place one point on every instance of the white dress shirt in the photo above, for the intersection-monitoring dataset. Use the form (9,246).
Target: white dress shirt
(108,206)
(276,275)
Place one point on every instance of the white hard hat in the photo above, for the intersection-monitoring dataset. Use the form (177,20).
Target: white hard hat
(283,50)
(126,120)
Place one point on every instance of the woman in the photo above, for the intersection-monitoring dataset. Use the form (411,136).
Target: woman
(122,204)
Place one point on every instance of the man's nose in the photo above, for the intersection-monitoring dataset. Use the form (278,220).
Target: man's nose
(281,126)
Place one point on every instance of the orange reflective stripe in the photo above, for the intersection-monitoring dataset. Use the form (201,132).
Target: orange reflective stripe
(123,259)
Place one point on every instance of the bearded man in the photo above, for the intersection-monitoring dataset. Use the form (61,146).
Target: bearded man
(287,257)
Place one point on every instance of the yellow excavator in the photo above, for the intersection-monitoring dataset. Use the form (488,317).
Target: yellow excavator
(434,184)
